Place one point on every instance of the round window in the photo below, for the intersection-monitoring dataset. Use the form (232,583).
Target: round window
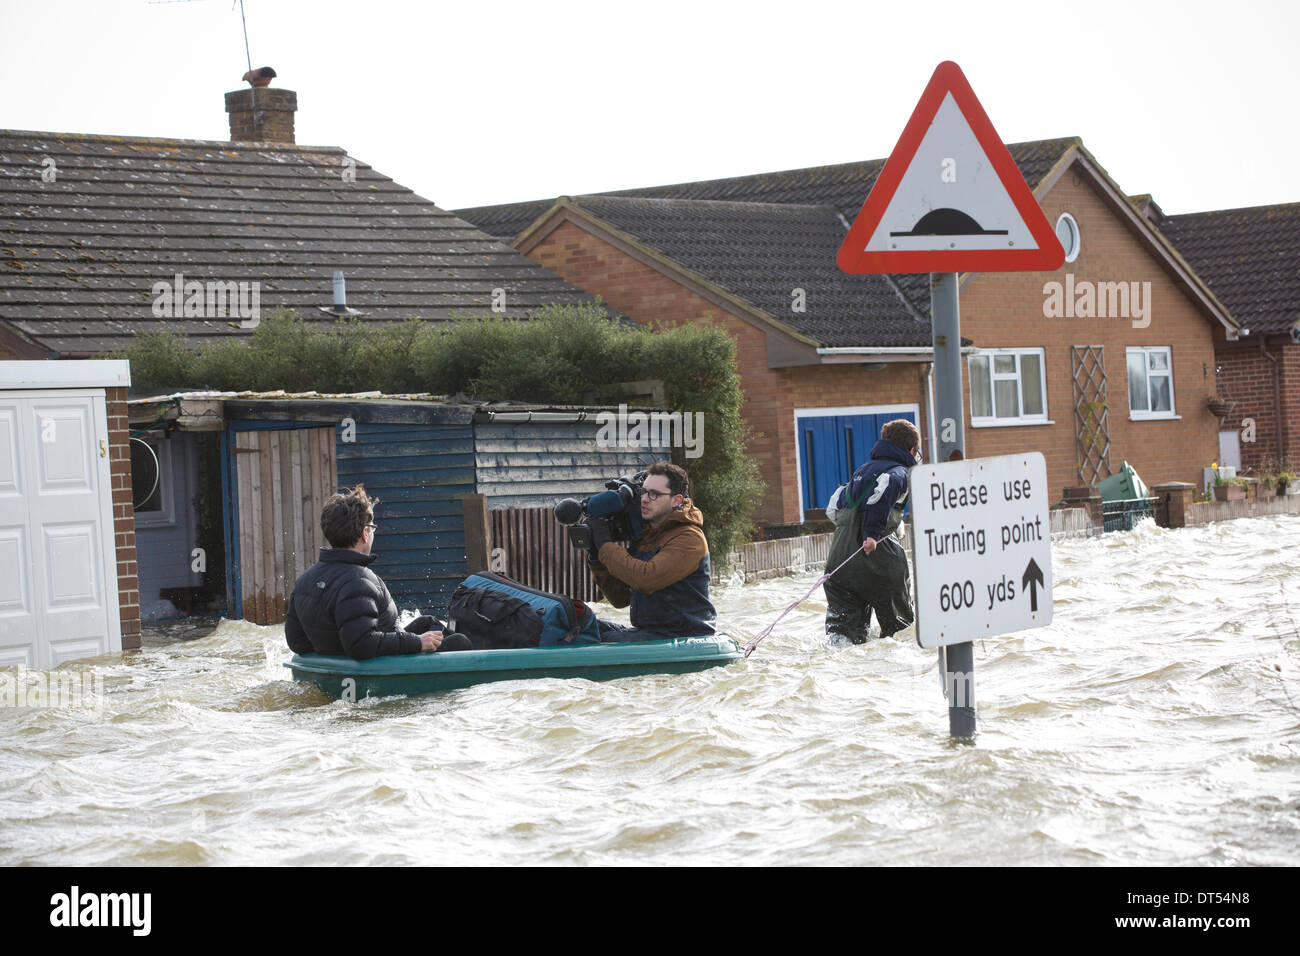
(1067,230)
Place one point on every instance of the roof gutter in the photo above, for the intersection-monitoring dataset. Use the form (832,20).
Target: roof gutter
(1277,403)
(483,415)
(894,353)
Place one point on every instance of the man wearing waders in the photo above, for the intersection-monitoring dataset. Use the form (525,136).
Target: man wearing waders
(869,510)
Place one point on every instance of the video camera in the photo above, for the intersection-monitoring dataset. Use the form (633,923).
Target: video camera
(619,506)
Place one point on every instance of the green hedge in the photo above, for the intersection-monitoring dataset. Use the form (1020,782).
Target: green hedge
(564,355)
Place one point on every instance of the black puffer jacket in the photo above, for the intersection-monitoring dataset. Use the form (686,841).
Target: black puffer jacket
(339,606)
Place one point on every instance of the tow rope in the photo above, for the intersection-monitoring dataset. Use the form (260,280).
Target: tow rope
(749,646)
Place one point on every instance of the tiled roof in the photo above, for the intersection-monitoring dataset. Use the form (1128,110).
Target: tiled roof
(762,253)
(841,189)
(79,255)
(844,186)
(1250,258)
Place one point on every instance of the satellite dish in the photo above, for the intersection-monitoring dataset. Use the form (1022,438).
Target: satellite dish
(145,471)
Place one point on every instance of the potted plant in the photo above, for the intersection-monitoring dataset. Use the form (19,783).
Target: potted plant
(1229,489)
(1288,483)
(1221,407)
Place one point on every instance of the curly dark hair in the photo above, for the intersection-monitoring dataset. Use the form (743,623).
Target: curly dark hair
(678,481)
(902,433)
(346,515)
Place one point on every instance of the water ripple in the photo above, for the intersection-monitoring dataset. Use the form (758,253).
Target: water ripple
(1155,722)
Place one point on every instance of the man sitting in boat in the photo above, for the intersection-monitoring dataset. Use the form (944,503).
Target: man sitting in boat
(339,606)
(665,574)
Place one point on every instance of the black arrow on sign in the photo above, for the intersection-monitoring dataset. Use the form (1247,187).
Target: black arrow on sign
(1032,580)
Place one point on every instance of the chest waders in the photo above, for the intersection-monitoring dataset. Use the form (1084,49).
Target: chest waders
(877,581)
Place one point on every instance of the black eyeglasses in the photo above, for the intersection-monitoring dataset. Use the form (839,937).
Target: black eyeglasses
(655,495)
(373,527)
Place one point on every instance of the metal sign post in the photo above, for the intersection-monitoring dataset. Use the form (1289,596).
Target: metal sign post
(957,661)
(982,553)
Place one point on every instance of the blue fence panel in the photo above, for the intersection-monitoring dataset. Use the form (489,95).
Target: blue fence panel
(420,473)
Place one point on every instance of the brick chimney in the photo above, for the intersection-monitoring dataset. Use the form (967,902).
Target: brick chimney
(261,115)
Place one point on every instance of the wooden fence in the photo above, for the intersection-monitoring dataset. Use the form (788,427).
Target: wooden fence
(529,545)
(283,477)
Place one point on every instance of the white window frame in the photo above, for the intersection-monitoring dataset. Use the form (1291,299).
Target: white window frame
(1146,351)
(165,516)
(993,421)
(1076,239)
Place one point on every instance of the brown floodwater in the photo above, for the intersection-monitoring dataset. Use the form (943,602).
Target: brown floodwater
(1156,721)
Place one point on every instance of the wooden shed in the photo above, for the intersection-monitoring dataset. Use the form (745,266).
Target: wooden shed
(430,462)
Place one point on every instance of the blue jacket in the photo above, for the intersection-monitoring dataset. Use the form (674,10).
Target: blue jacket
(879,485)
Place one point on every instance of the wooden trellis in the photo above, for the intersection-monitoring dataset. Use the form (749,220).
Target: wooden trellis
(1091,430)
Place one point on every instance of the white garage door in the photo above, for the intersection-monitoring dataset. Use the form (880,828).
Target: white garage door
(58,567)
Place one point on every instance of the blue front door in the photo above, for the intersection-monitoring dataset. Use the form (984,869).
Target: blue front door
(832,447)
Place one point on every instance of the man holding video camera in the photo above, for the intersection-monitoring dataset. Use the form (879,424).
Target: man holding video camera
(665,573)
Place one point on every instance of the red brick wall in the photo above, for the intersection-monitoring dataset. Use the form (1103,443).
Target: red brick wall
(1002,310)
(1247,378)
(1289,355)
(771,395)
(128,585)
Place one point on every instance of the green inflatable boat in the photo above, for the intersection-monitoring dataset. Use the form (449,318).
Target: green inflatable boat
(348,679)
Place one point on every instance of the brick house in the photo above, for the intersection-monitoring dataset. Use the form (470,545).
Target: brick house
(815,396)
(1251,259)
(1107,359)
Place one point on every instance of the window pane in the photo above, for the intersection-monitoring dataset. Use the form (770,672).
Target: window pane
(1005,364)
(1159,360)
(1161,394)
(1007,403)
(1137,382)
(145,460)
(1031,383)
(979,387)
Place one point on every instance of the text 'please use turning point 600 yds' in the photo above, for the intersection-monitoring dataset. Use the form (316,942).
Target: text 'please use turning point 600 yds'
(964,539)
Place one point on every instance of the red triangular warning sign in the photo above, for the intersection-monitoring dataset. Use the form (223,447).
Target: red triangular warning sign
(950,198)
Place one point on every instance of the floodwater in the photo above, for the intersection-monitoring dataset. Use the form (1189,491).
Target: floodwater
(1157,721)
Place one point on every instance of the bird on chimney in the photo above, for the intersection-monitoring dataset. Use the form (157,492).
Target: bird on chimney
(259,77)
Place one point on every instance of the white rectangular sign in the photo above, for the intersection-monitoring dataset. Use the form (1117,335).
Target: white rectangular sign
(981,548)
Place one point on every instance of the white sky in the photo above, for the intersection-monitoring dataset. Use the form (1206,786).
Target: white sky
(496,101)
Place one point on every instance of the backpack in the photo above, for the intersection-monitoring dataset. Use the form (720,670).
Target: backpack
(495,612)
